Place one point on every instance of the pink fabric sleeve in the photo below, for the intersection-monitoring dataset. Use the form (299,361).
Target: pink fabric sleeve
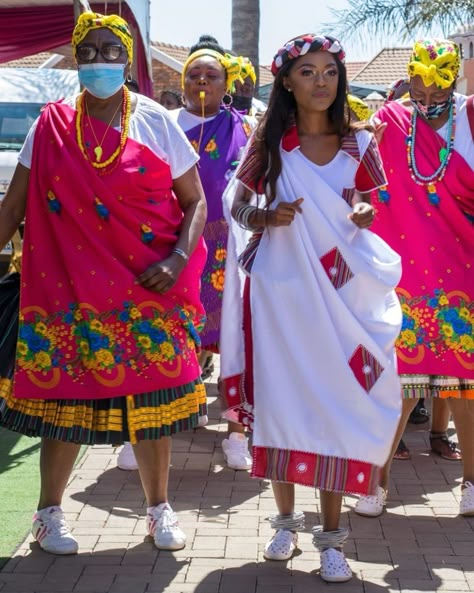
(370,174)
(248,168)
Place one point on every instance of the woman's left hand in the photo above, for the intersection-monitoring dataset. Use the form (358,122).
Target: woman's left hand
(162,276)
(362,215)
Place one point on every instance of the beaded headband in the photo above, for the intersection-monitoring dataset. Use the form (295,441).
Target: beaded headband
(436,61)
(88,21)
(299,46)
(394,88)
(231,65)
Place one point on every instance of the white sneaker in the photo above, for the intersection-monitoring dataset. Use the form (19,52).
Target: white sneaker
(281,546)
(371,506)
(236,451)
(162,525)
(52,532)
(466,508)
(334,566)
(126,459)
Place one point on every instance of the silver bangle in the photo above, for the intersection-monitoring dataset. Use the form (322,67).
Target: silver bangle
(322,540)
(293,522)
(181,253)
(243,214)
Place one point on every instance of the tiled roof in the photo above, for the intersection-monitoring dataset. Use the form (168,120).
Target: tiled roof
(266,76)
(29,62)
(389,64)
(180,53)
(353,68)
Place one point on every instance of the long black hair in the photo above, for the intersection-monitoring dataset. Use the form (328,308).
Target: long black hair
(281,114)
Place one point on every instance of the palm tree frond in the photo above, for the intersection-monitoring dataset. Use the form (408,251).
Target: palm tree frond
(400,17)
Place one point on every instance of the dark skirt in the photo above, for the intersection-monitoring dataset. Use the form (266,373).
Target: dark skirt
(112,421)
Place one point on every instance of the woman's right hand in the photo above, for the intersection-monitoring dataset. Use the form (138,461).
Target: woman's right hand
(379,129)
(284,213)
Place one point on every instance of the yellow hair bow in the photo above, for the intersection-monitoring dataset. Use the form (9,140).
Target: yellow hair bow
(231,65)
(88,21)
(247,69)
(436,61)
(359,107)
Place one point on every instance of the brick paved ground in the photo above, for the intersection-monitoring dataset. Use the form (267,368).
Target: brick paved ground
(419,544)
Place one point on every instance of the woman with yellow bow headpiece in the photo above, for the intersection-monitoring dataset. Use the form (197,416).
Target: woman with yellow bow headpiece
(112,259)
(426,213)
(218,132)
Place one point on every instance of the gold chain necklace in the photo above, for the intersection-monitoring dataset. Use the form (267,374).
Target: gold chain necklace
(98,151)
(125,121)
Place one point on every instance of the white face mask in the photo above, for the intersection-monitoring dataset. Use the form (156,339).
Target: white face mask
(102,80)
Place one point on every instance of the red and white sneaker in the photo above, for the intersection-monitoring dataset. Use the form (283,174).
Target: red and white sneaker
(162,525)
(52,532)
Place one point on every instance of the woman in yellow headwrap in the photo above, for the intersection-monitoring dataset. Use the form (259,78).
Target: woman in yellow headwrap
(426,213)
(359,110)
(243,99)
(219,133)
(112,261)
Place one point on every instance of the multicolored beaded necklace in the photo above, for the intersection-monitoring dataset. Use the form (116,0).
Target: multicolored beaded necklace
(124,125)
(430,181)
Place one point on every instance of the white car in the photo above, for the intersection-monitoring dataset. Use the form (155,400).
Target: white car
(23,92)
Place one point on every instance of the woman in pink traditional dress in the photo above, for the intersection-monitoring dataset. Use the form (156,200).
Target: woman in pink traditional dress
(426,213)
(110,282)
(317,380)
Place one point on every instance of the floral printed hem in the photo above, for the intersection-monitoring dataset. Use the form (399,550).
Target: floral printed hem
(81,343)
(441,322)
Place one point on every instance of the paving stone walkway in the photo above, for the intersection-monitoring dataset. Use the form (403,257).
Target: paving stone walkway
(419,544)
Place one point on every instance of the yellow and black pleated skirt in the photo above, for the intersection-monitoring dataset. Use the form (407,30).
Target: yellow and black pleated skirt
(114,420)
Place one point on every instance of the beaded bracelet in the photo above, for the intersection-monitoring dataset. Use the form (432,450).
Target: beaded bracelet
(181,253)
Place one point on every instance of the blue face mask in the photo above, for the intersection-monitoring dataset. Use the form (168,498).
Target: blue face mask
(102,80)
(432,111)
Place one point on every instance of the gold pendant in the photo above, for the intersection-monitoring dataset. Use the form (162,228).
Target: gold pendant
(98,153)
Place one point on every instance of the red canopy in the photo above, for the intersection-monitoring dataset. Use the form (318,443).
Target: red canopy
(28,27)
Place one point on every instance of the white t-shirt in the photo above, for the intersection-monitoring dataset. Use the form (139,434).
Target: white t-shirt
(340,173)
(463,142)
(187,121)
(150,125)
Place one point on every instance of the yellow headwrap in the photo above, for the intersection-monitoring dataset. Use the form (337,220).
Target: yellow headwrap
(436,61)
(88,21)
(247,69)
(359,107)
(231,65)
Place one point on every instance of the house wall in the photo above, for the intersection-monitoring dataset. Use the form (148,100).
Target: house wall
(164,78)
(465,40)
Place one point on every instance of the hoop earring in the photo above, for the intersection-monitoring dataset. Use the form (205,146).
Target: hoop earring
(129,77)
(227,100)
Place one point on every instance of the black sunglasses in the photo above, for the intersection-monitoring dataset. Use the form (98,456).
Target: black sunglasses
(88,53)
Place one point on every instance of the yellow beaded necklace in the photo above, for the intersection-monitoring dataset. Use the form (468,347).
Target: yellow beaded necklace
(124,125)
